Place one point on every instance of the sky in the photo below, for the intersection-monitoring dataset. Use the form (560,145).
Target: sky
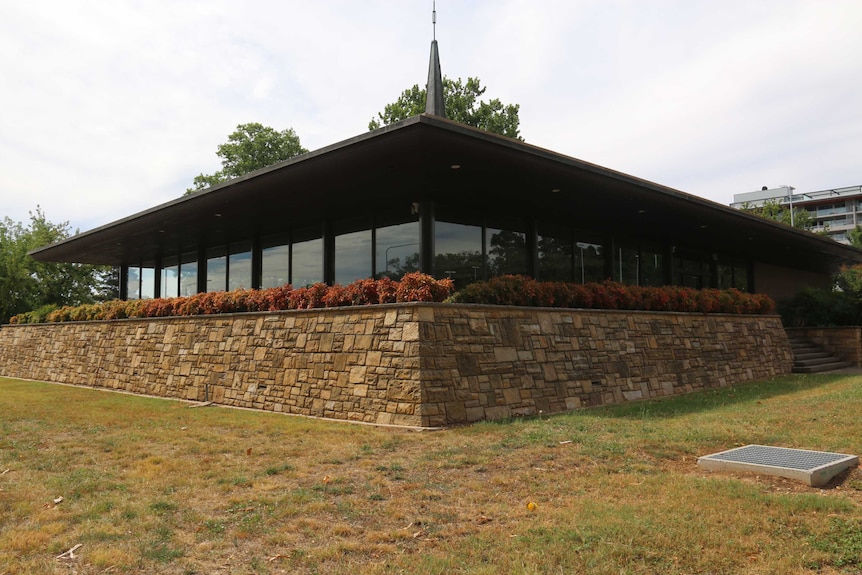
(111,107)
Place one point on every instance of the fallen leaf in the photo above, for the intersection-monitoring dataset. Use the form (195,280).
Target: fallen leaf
(58,500)
(248,451)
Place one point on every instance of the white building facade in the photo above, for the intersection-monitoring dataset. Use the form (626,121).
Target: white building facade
(834,212)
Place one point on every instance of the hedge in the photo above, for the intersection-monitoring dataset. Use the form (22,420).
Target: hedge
(526,291)
(412,287)
(504,290)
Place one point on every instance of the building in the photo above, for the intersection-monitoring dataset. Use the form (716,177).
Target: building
(432,195)
(834,212)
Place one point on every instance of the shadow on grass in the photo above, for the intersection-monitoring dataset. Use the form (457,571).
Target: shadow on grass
(700,401)
(714,398)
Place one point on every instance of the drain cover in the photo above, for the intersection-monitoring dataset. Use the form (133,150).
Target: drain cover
(815,468)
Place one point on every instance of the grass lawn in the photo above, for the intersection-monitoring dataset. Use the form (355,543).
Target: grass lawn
(153,486)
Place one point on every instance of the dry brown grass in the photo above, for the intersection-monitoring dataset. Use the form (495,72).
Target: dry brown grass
(152,486)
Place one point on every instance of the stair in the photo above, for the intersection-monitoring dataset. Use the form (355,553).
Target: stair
(810,358)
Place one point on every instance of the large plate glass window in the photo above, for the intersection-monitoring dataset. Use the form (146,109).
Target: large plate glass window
(188,274)
(555,254)
(396,249)
(307,264)
(352,251)
(275,263)
(239,266)
(216,269)
(458,254)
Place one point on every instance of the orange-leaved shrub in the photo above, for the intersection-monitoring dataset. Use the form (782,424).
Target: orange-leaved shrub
(526,291)
(412,287)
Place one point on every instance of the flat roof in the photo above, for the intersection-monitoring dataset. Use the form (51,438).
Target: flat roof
(412,160)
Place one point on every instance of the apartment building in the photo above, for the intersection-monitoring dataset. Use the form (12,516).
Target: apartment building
(834,212)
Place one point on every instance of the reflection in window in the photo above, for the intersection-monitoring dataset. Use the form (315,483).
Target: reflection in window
(740,277)
(275,266)
(397,250)
(170,277)
(133,282)
(458,252)
(507,252)
(651,268)
(239,266)
(691,271)
(216,269)
(555,257)
(148,283)
(308,262)
(626,269)
(732,274)
(188,274)
(352,256)
(589,262)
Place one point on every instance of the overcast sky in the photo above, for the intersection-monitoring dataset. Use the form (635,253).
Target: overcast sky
(110,107)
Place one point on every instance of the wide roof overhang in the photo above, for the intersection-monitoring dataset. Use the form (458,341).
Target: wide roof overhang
(413,161)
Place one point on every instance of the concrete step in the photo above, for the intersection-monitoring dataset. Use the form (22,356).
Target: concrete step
(810,355)
(823,358)
(811,358)
(823,367)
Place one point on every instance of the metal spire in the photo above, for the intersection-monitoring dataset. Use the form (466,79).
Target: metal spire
(434,90)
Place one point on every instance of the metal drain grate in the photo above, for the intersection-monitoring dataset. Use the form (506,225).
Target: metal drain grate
(815,468)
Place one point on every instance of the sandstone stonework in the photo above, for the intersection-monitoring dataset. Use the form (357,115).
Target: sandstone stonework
(413,364)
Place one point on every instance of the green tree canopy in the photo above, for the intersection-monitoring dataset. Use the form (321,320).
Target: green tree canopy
(27,284)
(251,147)
(774,210)
(854,236)
(462,105)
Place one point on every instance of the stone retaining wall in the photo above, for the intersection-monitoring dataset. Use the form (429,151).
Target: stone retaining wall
(407,364)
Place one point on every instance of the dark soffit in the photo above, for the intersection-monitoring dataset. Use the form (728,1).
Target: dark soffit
(412,161)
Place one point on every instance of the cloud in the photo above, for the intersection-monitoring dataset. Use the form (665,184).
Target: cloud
(112,108)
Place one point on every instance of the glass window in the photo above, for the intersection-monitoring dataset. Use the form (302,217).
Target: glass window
(740,276)
(133,283)
(170,277)
(555,255)
(307,262)
(589,262)
(652,271)
(275,267)
(189,274)
(216,269)
(507,252)
(239,266)
(626,269)
(148,283)
(397,250)
(692,271)
(458,252)
(353,256)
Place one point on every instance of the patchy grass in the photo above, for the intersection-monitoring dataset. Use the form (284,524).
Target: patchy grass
(152,486)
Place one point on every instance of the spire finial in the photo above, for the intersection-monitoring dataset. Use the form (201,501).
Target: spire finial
(434,19)
(434,105)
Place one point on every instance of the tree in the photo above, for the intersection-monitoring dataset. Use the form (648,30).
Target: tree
(462,105)
(27,284)
(251,147)
(854,236)
(773,210)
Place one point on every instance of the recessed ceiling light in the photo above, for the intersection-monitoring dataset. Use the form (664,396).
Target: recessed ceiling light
(555,191)
(641,211)
(703,226)
(218,215)
(455,166)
